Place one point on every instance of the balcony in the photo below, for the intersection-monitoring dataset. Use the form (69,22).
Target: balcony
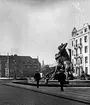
(78,56)
(75,56)
(81,55)
(80,45)
(75,46)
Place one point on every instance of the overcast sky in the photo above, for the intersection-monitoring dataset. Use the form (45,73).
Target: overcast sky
(38,27)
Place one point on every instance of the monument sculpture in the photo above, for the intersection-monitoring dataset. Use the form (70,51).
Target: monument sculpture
(63,62)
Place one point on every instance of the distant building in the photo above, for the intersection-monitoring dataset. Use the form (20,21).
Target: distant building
(42,63)
(48,69)
(80,54)
(45,68)
(19,65)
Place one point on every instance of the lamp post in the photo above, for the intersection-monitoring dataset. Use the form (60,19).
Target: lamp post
(14,69)
(21,71)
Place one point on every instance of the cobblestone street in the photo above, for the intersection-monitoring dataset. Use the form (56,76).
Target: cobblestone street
(17,96)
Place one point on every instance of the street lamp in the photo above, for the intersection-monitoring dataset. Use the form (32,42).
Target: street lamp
(21,71)
(14,69)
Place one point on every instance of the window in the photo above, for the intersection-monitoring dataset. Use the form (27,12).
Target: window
(80,41)
(86,49)
(85,38)
(81,32)
(85,30)
(76,70)
(81,61)
(80,50)
(76,42)
(86,59)
(86,70)
(72,43)
(72,52)
(28,66)
(76,52)
(77,33)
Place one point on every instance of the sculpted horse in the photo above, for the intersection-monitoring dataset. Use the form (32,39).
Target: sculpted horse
(61,57)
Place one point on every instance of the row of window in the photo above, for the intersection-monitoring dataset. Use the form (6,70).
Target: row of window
(82,31)
(86,50)
(86,70)
(86,60)
(85,40)
(80,60)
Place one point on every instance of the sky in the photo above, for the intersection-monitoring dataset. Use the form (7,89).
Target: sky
(37,27)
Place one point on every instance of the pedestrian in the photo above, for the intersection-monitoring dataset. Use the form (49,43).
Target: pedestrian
(37,77)
(61,78)
(47,78)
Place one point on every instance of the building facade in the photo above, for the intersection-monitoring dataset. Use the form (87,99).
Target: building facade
(18,65)
(80,46)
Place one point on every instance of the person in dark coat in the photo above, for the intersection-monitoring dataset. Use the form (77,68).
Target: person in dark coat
(47,78)
(61,79)
(37,78)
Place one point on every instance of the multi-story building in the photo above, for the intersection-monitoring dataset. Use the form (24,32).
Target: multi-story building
(18,65)
(80,46)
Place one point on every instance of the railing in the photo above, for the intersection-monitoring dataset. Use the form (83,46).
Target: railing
(75,46)
(75,54)
(80,45)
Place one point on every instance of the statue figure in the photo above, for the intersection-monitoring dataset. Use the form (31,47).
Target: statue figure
(61,57)
(63,60)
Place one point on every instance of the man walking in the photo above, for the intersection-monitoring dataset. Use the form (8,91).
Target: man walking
(61,78)
(37,77)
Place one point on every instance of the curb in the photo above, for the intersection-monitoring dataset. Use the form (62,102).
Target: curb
(52,85)
(43,91)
